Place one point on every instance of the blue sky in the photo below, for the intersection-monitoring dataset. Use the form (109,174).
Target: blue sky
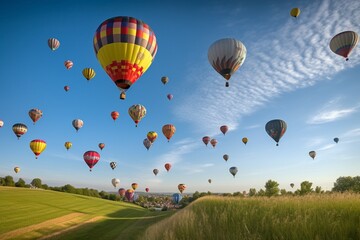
(289,73)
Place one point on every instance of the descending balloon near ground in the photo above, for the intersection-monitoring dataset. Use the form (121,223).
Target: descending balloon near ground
(125,47)
(129,194)
(226,56)
(19,129)
(276,129)
(134,186)
(91,158)
(343,43)
(37,146)
(181,187)
(176,198)
(121,192)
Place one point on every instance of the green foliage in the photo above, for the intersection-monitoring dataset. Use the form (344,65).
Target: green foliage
(344,184)
(252,192)
(20,183)
(306,187)
(2,181)
(36,182)
(9,181)
(271,188)
(68,188)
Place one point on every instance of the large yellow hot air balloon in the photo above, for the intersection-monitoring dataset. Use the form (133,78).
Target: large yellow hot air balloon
(343,43)
(137,112)
(295,12)
(226,56)
(37,146)
(168,131)
(88,73)
(125,48)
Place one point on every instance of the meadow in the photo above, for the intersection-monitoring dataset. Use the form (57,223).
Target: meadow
(320,216)
(43,214)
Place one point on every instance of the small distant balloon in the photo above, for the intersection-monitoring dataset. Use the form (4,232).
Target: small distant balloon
(213,142)
(336,140)
(245,140)
(66,88)
(291,185)
(77,124)
(224,129)
(209,180)
(121,192)
(167,166)
(156,171)
(147,143)
(147,189)
(312,154)
(35,114)
(1,123)
(137,112)
(115,182)
(68,64)
(295,12)
(206,140)
(164,80)
(114,115)
(68,145)
(16,169)
(181,187)
(152,136)
(176,198)
(168,131)
(19,129)
(233,171)
(53,43)
(88,73)
(113,165)
(134,186)
(169,96)
(101,146)
(226,157)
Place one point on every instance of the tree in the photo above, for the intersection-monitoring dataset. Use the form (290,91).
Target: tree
(271,188)
(2,181)
(20,183)
(343,184)
(252,192)
(283,192)
(261,193)
(9,181)
(36,182)
(318,189)
(305,187)
(69,189)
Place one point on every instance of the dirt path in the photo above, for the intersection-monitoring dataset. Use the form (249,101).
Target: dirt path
(73,220)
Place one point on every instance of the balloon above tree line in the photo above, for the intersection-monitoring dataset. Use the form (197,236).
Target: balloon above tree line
(156,171)
(233,171)
(137,112)
(115,182)
(68,145)
(213,142)
(206,140)
(245,140)
(134,186)
(114,115)
(147,189)
(224,129)
(91,158)
(176,198)
(35,114)
(295,12)
(88,73)
(53,43)
(276,129)
(291,185)
(16,169)
(113,165)
(19,129)
(226,56)
(129,194)
(226,157)
(336,140)
(164,80)
(147,143)
(312,154)
(37,146)
(168,131)
(77,124)
(68,64)
(181,187)
(167,166)
(209,180)
(343,43)
(121,192)
(125,47)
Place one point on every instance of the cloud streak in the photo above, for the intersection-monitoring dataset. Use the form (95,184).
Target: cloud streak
(283,60)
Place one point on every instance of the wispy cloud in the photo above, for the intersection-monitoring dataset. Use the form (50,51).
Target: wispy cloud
(288,57)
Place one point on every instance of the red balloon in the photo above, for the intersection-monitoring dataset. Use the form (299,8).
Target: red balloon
(167,166)
(66,88)
(147,189)
(114,115)
(91,158)
(206,140)
(224,129)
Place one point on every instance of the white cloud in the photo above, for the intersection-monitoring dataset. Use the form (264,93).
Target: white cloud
(287,57)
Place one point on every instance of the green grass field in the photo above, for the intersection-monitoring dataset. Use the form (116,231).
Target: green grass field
(314,217)
(41,214)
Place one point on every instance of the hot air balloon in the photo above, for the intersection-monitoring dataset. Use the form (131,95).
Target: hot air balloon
(312,154)
(152,136)
(16,169)
(77,124)
(244,140)
(206,140)
(68,145)
(101,146)
(129,194)
(37,146)
(147,143)
(295,12)
(134,186)
(176,198)
(19,129)
(213,142)
(291,185)
(181,187)
(226,56)
(233,171)
(68,64)
(88,73)
(125,48)
(156,171)
(209,180)
(115,182)
(147,189)
(137,112)
(113,165)
(226,157)
(168,131)
(121,192)
(53,43)
(169,96)
(164,80)
(91,158)
(224,129)
(343,43)
(336,140)
(167,166)
(35,114)
(66,88)
(1,123)
(114,115)
(276,129)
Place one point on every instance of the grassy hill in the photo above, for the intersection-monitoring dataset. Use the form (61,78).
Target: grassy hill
(335,216)
(41,214)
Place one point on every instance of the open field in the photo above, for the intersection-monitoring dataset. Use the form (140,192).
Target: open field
(335,216)
(41,214)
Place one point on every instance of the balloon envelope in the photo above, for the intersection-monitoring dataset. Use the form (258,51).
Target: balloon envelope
(1,123)
(233,171)
(168,131)
(152,136)
(114,115)
(295,12)
(312,154)
(137,112)
(35,114)
(68,145)
(156,171)
(101,146)
(167,166)
(91,158)
(244,140)
(147,143)
(115,182)
(37,146)
(53,43)
(213,142)
(121,192)
(226,157)
(176,197)
(276,129)
(336,140)
(164,80)
(19,129)
(77,124)
(343,43)
(68,64)
(16,169)
(134,186)
(129,194)
(181,187)
(224,129)
(88,73)
(113,165)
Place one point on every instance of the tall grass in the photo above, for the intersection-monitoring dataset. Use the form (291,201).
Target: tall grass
(308,217)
